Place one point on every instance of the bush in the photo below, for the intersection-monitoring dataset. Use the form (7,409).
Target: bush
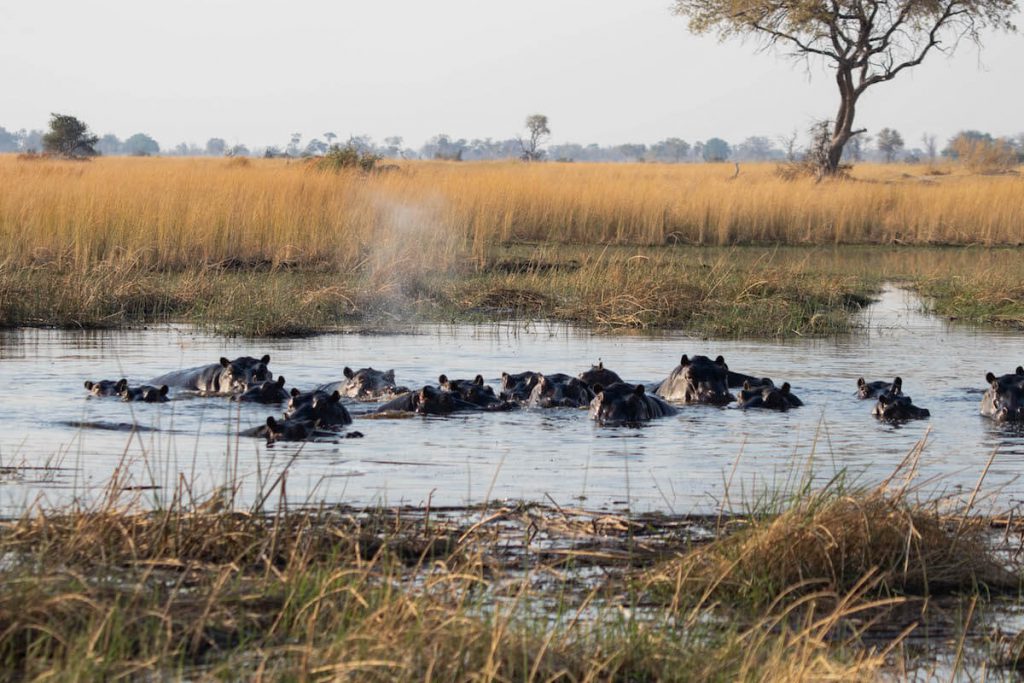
(985,156)
(340,158)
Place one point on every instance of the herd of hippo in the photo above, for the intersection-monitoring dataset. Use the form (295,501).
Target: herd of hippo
(699,379)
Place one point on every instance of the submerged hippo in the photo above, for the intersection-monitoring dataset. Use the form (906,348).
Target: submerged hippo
(735,380)
(599,374)
(474,391)
(289,429)
(225,377)
(898,408)
(427,401)
(1004,399)
(867,390)
(106,387)
(561,391)
(366,384)
(145,393)
(519,386)
(698,380)
(623,403)
(767,395)
(326,409)
(271,391)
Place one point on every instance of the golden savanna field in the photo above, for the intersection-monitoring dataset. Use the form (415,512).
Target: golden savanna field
(179,213)
(279,247)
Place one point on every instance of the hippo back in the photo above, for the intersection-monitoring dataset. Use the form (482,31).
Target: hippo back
(599,374)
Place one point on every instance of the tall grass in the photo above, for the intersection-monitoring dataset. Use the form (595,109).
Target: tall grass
(179,213)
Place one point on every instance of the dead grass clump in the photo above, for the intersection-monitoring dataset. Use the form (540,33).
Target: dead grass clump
(834,542)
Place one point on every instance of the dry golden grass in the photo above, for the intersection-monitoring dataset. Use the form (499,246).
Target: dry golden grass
(179,213)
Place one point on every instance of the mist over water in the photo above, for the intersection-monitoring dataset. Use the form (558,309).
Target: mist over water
(677,464)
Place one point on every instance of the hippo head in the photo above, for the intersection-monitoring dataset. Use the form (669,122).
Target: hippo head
(289,430)
(473,391)
(368,383)
(270,391)
(1004,399)
(772,397)
(898,408)
(519,386)
(619,403)
(431,401)
(706,381)
(561,391)
(599,374)
(146,393)
(106,387)
(241,373)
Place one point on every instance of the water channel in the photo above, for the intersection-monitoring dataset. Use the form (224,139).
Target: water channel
(680,464)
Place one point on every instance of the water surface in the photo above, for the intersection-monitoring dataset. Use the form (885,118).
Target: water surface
(678,464)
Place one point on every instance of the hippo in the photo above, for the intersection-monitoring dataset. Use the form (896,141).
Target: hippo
(270,391)
(106,387)
(1004,399)
(867,390)
(735,380)
(225,377)
(427,401)
(767,395)
(697,380)
(366,384)
(599,374)
(289,429)
(474,391)
(623,403)
(519,386)
(326,409)
(145,393)
(897,408)
(562,391)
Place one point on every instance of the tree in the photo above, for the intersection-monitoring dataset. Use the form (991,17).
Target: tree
(215,147)
(69,137)
(141,145)
(8,141)
(716,149)
(632,151)
(537,125)
(671,149)
(930,146)
(890,143)
(757,148)
(109,145)
(330,137)
(865,42)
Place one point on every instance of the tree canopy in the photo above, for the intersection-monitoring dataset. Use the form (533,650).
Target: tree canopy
(866,42)
(69,137)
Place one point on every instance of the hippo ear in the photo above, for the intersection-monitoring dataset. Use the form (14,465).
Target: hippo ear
(639,390)
(990,378)
(1020,369)
(504,376)
(336,396)
(719,360)
(271,422)
(785,388)
(479,380)
(224,362)
(597,389)
(88,385)
(164,389)
(348,372)
(280,381)
(121,384)
(684,361)
(265,359)
(389,376)
(295,392)
(746,385)
(427,391)
(600,364)
(898,382)
(442,380)
(860,382)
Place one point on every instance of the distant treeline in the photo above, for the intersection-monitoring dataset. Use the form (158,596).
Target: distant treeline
(886,145)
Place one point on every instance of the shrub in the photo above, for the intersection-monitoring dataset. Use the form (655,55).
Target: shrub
(339,158)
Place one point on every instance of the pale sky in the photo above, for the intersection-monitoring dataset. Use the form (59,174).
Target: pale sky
(606,71)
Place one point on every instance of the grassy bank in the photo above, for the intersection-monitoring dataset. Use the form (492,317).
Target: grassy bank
(829,584)
(271,247)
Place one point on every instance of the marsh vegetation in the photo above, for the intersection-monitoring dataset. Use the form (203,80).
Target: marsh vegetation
(272,247)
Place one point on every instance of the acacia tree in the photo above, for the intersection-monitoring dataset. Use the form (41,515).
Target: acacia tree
(69,137)
(890,143)
(537,125)
(865,42)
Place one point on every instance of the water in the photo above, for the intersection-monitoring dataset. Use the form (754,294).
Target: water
(678,464)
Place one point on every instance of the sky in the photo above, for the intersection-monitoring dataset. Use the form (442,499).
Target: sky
(605,71)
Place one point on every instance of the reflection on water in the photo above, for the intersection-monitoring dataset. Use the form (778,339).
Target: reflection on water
(677,464)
